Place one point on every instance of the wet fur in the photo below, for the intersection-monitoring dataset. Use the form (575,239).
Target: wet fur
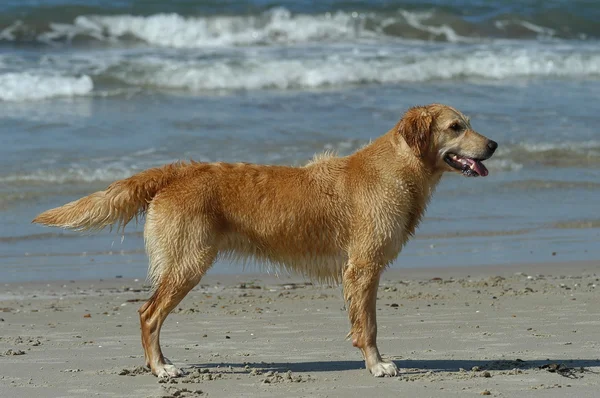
(337,219)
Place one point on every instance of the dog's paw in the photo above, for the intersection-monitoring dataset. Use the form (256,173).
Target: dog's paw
(167,371)
(384,368)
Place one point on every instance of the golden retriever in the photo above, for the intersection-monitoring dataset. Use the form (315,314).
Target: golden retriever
(334,219)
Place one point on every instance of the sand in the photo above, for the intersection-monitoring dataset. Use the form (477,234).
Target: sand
(522,330)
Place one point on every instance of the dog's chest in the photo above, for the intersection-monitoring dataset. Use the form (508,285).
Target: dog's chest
(400,215)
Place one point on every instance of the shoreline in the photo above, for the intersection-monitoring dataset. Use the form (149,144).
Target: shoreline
(229,278)
(526,330)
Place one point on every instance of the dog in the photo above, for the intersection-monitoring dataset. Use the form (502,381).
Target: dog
(335,219)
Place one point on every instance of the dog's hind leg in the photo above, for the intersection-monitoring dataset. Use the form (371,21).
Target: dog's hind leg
(360,281)
(171,289)
(178,260)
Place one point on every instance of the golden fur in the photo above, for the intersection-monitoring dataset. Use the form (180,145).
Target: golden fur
(340,219)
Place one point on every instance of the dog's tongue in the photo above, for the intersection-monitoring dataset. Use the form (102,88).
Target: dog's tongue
(478,167)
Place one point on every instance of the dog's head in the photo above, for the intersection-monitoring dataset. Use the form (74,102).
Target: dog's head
(442,137)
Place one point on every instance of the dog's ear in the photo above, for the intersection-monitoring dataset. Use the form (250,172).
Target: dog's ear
(415,127)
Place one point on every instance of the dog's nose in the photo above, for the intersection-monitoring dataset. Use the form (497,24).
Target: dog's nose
(492,145)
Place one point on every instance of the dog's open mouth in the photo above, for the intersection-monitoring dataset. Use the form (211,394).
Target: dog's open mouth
(468,166)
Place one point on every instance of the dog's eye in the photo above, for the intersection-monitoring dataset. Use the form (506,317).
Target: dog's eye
(455,126)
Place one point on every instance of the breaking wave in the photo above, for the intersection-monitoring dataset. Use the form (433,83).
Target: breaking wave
(108,73)
(351,69)
(280,25)
(29,86)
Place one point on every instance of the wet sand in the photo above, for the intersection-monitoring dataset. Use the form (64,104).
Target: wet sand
(521,330)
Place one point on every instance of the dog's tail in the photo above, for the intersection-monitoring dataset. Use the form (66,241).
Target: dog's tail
(118,204)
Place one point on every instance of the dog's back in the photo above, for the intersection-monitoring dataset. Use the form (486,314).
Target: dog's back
(291,217)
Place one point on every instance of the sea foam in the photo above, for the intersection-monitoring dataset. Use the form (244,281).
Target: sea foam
(30,86)
(260,71)
(173,30)
(279,25)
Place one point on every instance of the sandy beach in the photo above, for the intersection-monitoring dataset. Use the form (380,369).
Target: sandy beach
(94,92)
(528,330)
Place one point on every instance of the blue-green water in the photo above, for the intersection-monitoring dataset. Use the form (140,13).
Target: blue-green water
(91,92)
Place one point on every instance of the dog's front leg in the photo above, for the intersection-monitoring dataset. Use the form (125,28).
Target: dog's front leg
(361,280)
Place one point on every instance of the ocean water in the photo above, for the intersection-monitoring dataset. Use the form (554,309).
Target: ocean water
(94,91)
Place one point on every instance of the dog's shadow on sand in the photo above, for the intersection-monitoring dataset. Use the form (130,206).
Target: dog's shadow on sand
(558,365)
